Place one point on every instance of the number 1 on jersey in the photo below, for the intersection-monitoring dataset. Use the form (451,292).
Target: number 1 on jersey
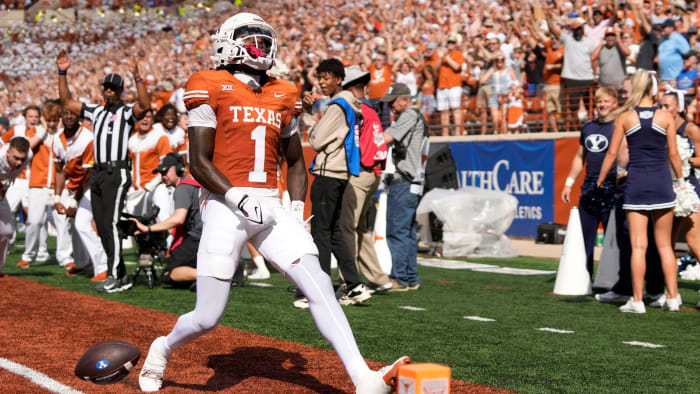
(258,174)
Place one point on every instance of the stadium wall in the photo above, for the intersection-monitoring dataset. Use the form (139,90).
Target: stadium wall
(532,167)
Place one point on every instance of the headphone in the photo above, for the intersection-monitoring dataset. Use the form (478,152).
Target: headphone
(180,166)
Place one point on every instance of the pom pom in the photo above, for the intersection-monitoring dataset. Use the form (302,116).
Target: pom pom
(687,200)
(599,200)
(692,272)
(685,151)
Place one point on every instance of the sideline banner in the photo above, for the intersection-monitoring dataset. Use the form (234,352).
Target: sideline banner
(522,168)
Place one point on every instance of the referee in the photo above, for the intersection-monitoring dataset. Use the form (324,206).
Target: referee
(113,122)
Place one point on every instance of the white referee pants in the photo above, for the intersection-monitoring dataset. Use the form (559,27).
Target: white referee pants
(7,229)
(41,212)
(88,236)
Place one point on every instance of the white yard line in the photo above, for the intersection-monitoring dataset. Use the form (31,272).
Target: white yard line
(554,330)
(458,264)
(478,318)
(412,308)
(514,271)
(643,344)
(452,264)
(37,377)
(257,284)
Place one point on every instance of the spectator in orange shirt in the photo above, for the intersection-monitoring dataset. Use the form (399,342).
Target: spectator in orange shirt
(380,70)
(554,60)
(449,92)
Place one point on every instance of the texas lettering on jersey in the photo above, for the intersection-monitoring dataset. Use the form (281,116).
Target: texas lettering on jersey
(248,124)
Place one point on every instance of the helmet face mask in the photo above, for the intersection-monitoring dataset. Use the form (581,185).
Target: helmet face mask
(245,39)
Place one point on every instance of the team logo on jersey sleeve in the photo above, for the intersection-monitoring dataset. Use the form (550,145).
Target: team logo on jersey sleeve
(226,88)
(596,143)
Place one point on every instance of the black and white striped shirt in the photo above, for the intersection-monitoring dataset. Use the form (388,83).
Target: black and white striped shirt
(112,126)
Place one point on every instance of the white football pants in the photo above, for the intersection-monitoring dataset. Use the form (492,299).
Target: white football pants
(41,212)
(7,229)
(289,247)
(88,236)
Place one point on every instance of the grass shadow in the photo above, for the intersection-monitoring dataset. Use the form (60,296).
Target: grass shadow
(691,286)
(32,273)
(265,362)
(577,300)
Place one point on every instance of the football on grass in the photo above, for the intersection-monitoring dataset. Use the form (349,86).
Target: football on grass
(107,362)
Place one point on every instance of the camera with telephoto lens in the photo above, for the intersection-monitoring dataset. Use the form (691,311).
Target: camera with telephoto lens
(152,246)
(149,242)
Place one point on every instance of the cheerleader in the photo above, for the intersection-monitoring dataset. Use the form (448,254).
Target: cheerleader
(593,144)
(674,103)
(649,193)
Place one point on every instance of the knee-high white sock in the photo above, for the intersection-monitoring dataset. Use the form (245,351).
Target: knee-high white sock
(328,314)
(259,262)
(212,297)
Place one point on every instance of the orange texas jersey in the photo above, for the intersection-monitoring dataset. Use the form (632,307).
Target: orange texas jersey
(177,137)
(246,144)
(145,151)
(76,154)
(41,172)
(17,131)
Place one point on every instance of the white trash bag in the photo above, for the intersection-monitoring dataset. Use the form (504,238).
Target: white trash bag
(474,221)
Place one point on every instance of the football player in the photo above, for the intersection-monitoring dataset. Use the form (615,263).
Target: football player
(240,122)
(14,158)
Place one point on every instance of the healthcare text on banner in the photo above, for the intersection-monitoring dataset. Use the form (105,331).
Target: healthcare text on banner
(521,168)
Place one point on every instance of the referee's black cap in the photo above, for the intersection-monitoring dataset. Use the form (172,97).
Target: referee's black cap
(114,80)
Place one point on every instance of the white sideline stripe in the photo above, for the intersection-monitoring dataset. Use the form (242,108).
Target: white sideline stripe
(478,318)
(458,265)
(256,284)
(514,271)
(411,308)
(643,344)
(37,377)
(554,330)
(452,264)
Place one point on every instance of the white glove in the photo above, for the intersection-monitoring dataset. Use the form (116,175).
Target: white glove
(250,207)
(153,183)
(71,203)
(296,208)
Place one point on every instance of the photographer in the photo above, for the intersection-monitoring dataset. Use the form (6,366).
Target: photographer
(409,141)
(186,220)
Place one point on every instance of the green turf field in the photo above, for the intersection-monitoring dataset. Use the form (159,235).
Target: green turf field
(508,353)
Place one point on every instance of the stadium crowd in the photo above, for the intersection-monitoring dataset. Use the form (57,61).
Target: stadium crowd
(506,57)
(475,63)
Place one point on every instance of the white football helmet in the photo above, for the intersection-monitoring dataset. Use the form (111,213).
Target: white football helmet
(247,39)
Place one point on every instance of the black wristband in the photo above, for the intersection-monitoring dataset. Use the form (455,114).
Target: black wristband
(149,228)
(62,72)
